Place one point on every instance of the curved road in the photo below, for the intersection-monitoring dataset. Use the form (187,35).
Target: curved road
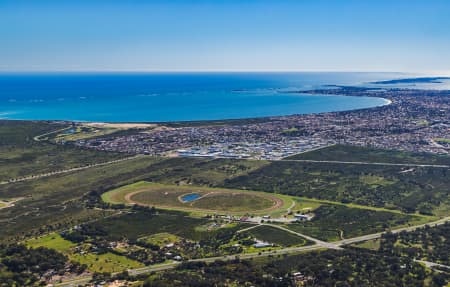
(319,245)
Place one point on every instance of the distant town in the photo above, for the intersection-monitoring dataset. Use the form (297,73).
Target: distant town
(415,121)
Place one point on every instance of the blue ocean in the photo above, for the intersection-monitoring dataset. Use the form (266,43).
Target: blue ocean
(161,97)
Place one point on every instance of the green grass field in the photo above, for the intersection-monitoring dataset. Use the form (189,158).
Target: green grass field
(276,236)
(210,200)
(370,244)
(52,241)
(107,262)
(160,239)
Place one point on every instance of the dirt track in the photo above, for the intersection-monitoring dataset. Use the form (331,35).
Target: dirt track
(277,203)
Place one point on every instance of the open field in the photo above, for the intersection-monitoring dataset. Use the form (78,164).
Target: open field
(209,199)
(276,236)
(106,262)
(373,244)
(160,239)
(366,154)
(53,241)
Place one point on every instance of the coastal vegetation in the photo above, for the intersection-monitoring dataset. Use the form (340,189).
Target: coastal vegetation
(87,217)
(419,189)
(22,155)
(368,154)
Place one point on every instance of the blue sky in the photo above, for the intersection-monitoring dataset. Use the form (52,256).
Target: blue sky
(232,35)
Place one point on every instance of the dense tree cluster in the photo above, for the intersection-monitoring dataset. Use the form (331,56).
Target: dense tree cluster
(419,189)
(325,268)
(22,266)
(333,221)
(428,243)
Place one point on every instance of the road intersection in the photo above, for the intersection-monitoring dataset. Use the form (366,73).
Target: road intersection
(289,250)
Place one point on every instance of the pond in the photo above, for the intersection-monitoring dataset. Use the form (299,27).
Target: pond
(190,197)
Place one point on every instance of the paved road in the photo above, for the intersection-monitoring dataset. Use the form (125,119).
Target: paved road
(432,264)
(378,235)
(36,176)
(329,245)
(319,245)
(162,267)
(367,163)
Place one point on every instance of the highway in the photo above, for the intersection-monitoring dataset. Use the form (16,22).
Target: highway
(378,235)
(366,163)
(318,244)
(289,250)
(329,245)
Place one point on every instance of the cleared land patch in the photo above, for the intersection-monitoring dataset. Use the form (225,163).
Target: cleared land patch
(4,203)
(106,262)
(276,236)
(207,199)
(161,239)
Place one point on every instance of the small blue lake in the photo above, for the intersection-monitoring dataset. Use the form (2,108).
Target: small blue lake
(190,197)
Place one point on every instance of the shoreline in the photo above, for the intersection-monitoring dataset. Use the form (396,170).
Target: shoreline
(140,124)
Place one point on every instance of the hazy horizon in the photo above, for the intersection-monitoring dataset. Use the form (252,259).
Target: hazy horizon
(225,36)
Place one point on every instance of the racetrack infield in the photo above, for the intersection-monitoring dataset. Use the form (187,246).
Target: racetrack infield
(216,200)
